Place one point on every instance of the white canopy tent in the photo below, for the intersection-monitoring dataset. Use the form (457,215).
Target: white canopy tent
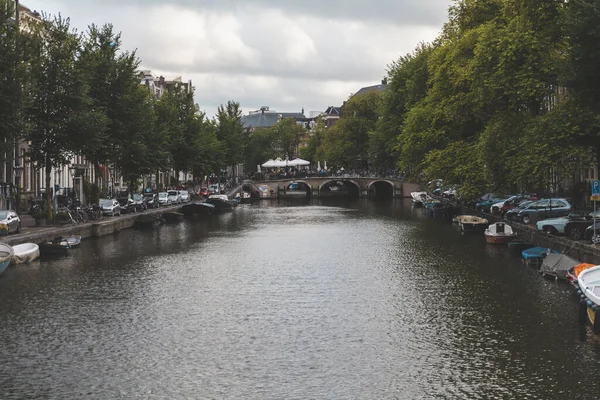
(298,162)
(269,164)
(276,163)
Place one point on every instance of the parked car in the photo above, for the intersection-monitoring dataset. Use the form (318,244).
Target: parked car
(174,196)
(576,228)
(449,193)
(511,215)
(184,196)
(213,189)
(589,232)
(164,199)
(485,205)
(140,202)
(544,209)
(557,226)
(204,191)
(110,207)
(503,206)
(151,200)
(9,222)
(127,205)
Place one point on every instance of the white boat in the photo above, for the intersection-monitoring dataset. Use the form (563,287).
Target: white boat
(25,253)
(420,198)
(499,233)
(471,223)
(589,285)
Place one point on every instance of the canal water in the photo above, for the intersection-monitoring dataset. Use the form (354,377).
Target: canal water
(357,300)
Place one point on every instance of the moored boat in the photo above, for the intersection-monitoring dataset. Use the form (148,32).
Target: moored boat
(73,240)
(574,272)
(557,266)
(589,290)
(25,253)
(471,223)
(198,208)
(57,245)
(499,233)
(246,198)
(535,255)
(6,255)
(221,202)
(419,198)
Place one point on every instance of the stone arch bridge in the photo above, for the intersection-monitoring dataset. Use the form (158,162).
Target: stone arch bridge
(317,187)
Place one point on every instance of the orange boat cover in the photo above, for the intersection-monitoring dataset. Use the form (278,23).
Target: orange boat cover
(582,267)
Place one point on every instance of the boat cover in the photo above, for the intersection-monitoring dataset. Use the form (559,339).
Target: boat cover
(557,265)
(582,267)
(537,252)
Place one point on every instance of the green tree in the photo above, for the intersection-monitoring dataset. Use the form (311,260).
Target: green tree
(12,74)
(313,150)
(113,83)
(135,151)
(58,110)
(230,132)
(286,136)
(346,144)
(259,148)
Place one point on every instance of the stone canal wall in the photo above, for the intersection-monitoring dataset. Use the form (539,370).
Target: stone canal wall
(106,226)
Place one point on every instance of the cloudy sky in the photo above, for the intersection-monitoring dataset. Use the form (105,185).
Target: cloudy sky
(287,54)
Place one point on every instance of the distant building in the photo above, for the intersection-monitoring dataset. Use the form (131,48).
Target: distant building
(382,87)
(158,85)
(265,118)
(375,88)
(331,115)
(28,19)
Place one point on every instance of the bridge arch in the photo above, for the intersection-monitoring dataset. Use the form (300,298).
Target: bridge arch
(381,189)
(298,188)
(339,187)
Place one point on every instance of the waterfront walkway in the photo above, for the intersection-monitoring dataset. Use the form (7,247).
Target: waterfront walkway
(105,226)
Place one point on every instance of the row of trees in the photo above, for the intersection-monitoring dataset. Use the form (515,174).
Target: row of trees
(507,98)
(67,93)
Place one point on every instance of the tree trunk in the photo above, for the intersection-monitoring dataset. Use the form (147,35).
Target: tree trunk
(49,190)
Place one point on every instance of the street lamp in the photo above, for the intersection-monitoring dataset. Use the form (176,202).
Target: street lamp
(73,171)
(17,171)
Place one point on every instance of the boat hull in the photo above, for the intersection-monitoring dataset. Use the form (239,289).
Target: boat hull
(497,239)
(56,247)
(198,209)
(4,265)
(221,205)
(7,255)
(25,253)
(473,227)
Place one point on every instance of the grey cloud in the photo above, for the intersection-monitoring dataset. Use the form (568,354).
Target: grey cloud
(287,55)
(418,12)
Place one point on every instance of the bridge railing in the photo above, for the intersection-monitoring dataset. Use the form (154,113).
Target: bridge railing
(280,177)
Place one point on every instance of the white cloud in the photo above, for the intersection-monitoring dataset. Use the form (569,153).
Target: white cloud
(287,55)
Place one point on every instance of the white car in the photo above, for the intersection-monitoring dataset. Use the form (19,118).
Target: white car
(110,207)
(495,209)
(184,195)
(164,199)
(174,196)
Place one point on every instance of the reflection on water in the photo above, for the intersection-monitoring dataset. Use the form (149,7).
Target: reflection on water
(293,299)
